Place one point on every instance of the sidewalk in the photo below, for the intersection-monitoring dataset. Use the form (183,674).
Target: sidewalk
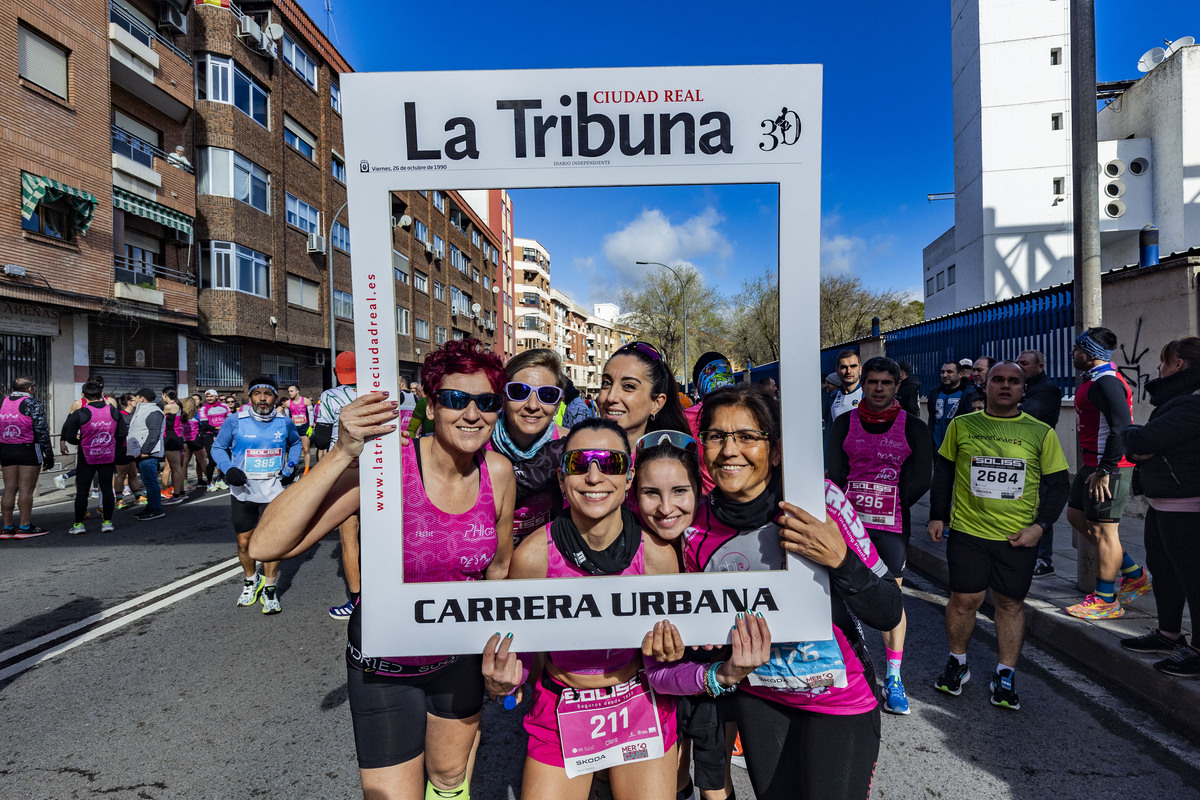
(1095,643)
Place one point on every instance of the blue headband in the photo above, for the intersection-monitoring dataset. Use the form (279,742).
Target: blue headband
(274,391)
(1087,344)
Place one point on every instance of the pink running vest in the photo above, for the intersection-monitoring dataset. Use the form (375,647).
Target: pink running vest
(298,411)
(873,484)
(15,427)
(590,662)
(98,436)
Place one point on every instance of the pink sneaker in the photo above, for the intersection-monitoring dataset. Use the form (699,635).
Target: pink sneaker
(1133,589)
(1093,607)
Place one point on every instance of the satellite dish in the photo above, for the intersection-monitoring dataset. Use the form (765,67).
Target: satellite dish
(476,308)
(1179,44)
(275,31)
(1151,59)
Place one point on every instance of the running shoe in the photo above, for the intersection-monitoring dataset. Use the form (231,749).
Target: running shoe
(172,501)
(106,526)
(953,677)
(77,529)
(61,481)
(149,514)
(168,492)
(29,532)
(270,602)
(342,612)
(202,486)
(1093,607)
(94,494)
(143,500)
(1133,589)
(1043,569)
(126,492)
(251,588)
(7,531)
(221,485)
(738,759)
(126,502)
(895,701)
(1154,642)
(1004,694)
(212,487)
(1183,663)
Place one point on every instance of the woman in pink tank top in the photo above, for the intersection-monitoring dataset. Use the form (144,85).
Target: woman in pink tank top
(415,716)
(596,536)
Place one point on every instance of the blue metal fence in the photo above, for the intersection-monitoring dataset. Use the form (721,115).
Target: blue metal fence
(1041,321)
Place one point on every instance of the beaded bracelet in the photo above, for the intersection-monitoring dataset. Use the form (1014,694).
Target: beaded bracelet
(711,685)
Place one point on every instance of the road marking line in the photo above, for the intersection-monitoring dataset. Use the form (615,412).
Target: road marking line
(215,496)
(46,655)
(116,610)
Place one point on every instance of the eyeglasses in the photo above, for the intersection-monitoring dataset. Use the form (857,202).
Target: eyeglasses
(546,395)
(610,462)
(743,438)
(680,441)
(645,348)
(487,402)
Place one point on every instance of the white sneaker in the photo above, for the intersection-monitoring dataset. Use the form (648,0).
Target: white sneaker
(106,526)
(126,492)
(60,481)
(251,588)
(94,494)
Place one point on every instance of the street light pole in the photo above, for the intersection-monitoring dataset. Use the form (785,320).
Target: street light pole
(329,266)
(683,291)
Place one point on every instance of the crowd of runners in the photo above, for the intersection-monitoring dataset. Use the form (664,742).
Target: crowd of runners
(508,474)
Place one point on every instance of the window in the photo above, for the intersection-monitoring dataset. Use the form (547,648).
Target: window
(495,254)
(229,174)
(337,166)
(226,265)
(941,281)
(1056,122)
(530,299)
(401,321)
(297,59)
(475,239)
(286,369)
(475,275)
(439,291)
(50,219)
(335,97)
(299,138)
(42,62)
(929,287)
(134,139)
(302,215)
(950,275)
(142,253)
(218,79)
(487,282)
(439,202)
(439,335)
(400,266)
(343,304)
(420,281)
(303,292)
(439,246)
(420,232)
(421,329)
(458,336)
(459,261)
(1055,56)
(340,235)
(1060,186)
(460,302)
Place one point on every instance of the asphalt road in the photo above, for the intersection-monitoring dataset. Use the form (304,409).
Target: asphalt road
(149,683)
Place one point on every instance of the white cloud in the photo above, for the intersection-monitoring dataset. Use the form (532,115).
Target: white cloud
(844,253)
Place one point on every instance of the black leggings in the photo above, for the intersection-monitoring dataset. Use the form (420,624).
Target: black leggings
(84,472)
(803,755)
(1173,557)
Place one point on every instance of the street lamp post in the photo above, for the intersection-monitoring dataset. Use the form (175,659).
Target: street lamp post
(683,291)
(329,266)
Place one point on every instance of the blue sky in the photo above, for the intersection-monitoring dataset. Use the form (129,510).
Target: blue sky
(887,117)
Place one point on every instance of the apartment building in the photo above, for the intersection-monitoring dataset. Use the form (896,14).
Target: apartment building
(532,307)
(98,204)
(604,334)
(444,258)
(568,337)
(495,208)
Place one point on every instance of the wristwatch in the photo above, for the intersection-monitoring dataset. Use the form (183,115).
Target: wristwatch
(1101,472)
(1045,526)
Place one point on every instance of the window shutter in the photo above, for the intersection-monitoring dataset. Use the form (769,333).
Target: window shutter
(42,63)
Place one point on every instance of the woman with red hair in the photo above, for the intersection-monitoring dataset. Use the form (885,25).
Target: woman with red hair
(415,716)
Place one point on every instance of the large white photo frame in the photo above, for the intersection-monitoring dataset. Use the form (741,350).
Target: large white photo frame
(476,130)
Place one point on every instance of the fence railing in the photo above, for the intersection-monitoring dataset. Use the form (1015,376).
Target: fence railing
(1042,321)
(137,30)
(138,272)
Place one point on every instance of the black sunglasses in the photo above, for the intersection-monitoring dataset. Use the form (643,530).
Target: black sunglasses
(487,402)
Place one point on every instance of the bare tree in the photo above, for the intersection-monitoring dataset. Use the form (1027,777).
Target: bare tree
(655,308)
(847,307)
(754,320)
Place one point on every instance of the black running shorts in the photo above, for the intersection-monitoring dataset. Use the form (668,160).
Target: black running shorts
(977,564)
(245,514)
(20,455)
(893,549)
(1111,509)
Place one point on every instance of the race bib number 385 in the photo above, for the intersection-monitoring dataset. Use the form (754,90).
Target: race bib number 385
(995,478)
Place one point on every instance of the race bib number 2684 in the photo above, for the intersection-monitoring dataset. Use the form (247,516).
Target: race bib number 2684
(996,478)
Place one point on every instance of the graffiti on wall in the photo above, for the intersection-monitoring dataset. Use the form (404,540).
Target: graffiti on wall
(1133,367)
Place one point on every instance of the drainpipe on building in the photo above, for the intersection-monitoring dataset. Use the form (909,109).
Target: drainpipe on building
(329,266)
(1148,246)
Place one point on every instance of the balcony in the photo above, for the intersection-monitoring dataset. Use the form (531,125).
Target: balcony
(143,169)
(146,64)
(133,272)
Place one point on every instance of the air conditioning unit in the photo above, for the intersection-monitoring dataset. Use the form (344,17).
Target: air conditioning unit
(178,236)
(172,20)
(429,247)
(249,29)
(266,45)
(438,254)
(319,359)
(316,243)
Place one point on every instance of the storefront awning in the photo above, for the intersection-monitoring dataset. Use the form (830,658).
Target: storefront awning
(36,188)
(155,212)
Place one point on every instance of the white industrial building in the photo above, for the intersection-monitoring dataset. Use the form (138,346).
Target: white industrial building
(1012,157)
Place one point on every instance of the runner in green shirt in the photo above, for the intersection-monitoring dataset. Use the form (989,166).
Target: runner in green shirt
(991,466)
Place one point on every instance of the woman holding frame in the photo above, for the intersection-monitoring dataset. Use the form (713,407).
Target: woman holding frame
(418,716)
